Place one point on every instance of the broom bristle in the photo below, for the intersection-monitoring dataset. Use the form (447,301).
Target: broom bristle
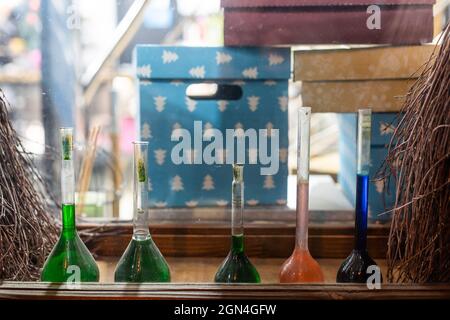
(27,231)
(419,160)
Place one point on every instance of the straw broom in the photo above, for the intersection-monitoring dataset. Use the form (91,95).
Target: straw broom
(27,230)
(419,161)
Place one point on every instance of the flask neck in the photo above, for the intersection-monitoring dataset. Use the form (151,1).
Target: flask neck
(361,212)
(301,236)
(237,244)
(68,218)
(140,179)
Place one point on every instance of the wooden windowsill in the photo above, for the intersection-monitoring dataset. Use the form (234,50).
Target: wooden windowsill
(191,279)
(263,239)
(203,269)
(195,250)
(27,290)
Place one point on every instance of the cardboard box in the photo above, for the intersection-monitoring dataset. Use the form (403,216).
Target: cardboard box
(265,22)
(345,80)
(373,63)
(349,96)
(164,74)
(383,125)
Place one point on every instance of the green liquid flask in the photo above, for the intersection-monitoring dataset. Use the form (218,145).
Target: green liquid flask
(142,261)
(70,261)
(237,268)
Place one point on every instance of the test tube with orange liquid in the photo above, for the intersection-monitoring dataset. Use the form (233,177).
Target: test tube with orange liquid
(301,266)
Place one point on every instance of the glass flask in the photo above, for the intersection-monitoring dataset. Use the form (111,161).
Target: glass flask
(237,268)
(70,260)
(301,266)
(354,268)
(142,261)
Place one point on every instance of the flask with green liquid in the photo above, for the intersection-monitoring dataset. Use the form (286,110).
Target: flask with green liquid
(142,261)
(236,267)
(70,260)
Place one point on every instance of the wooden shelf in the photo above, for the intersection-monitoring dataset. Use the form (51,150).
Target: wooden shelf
(188,251)
(27,290)
(203,269)
(263,239)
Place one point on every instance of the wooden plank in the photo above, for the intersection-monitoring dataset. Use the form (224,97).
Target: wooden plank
(215,228)
(262,240)
(258,246)
(28,290)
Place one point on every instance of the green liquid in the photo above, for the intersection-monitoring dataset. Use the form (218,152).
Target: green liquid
(70,261)
(142,262)
(236,267)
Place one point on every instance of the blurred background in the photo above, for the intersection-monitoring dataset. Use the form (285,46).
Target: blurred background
(69,63)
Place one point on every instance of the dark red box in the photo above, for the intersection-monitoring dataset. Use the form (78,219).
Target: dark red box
(288,22)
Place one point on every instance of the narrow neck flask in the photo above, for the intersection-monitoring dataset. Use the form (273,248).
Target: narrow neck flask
(237,209)
(142,261)
(67,181)
(140,194)
(70,261)
(355,268)
(237,268)
(301,266)
(362,178)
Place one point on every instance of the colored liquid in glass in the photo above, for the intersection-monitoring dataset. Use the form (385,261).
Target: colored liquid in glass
(70,260)
(354,268)
(236,267)
(142,262)
(301,266)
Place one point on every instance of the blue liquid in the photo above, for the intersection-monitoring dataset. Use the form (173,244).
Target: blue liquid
(354,267)
(361,211)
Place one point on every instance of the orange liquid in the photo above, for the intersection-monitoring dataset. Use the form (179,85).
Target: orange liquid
(300,267)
